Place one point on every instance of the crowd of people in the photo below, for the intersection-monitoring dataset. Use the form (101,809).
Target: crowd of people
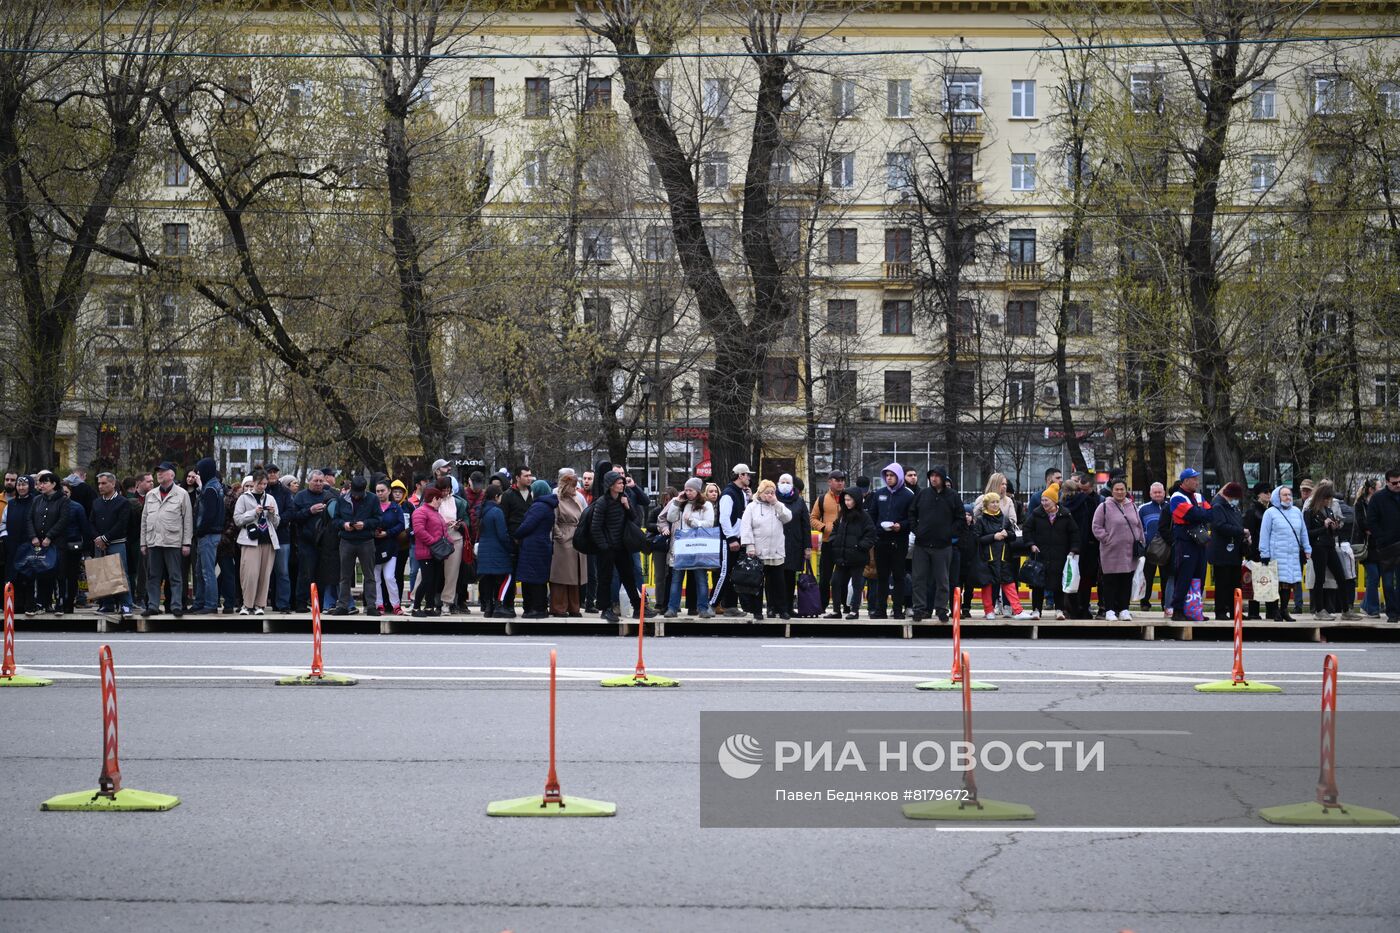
(577,546)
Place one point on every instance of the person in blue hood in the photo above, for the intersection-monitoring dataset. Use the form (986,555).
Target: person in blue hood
(210,516)
(1283,539)
(889,510)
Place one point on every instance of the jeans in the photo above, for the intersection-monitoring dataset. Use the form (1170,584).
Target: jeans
(1371,604)
(699,580)
(112,603)
(1390,585)
(163,565)
(281,582)
(207,592)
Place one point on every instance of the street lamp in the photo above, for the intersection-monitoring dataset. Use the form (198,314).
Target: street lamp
(687,392)
(646,414)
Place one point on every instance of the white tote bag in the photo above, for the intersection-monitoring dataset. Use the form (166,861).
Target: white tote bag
(1139,582)
(1265,581)
(1070,583)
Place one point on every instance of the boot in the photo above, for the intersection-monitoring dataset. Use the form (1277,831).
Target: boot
(1285,596)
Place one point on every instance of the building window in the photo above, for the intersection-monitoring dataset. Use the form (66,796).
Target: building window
(536,168)
(898,317)
(174,378)
(780,379)
(1020,392)
(780,172)
(597,244)
(841,315)
(237,388)
(1331,94)
(1388,390)
(899,387)
(598,94)
(1388,99)
(1147,91)
(175,239)
(899,244)
(843,97)
(964,92)
(177,172)
(1080,386)
(121,380)
(714,170)
(961,160)
(238,97)
(169,309)
(120,311)
(1263,173)
(1022,100)
(1023,171)
(964,384)
(1021,317)
(1263,103)
(899,100)
(841,388)
(657,246)
(299,97)
(1079,319)
(841,244)
(481,97)
(899,171)
(721,243)
(788,241)
(1079,172)
(597,313)
(354,96)
(536,98)
(662,86)
(965,317)
(843,169)
(1022,248)
(1079,96)
(714,98)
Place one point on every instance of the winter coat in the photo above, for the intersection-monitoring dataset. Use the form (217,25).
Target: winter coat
(49,517)
(167,521)
(996,562)
(209,506)
(853,536)
(887,504)
(1253,523)
(535,537)
(364,509)
(1282,536)
(80,531)
(245,514)
(391,522)
(308,527)
(797,533)
(936,517)
(1383,519)
(428,527)
(1226,533)
(1150,514)
(609,516)
(1117,527)
(493,552)
(699,514)
(568,567)
(1187,510)
(1082,506)
(514,504)
(1056,540)
(17,530)
(761,529)
(111,518)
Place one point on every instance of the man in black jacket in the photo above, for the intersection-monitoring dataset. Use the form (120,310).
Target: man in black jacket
(1383,522)
(357,515)
(1082,505)
(210,517)
(111,522)
(515,501)
(937,519)
(318,551)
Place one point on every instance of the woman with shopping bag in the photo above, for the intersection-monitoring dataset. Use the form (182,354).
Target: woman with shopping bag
(995,565)
(1283,540)
(692,519)
(1118,529)
(1054,537)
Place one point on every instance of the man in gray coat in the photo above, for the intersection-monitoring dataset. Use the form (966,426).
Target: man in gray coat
(167,528)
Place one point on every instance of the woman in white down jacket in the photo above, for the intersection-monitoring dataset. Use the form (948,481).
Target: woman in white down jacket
(761,534)
(689,510)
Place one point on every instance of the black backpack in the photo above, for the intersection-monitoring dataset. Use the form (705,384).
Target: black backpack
(583,535)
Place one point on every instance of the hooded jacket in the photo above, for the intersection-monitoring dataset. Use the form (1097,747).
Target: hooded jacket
(891,504)
(854,534)
(494,551)
(609,515)
(364,509)
(937,515)
(391,522)
(535,536)
(209,507)
(1226,533)
(1282,535)
(798,532)
(1082,506)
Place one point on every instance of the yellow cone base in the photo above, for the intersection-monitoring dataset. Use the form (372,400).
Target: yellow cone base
(20,681)
(651,680)
(1313,813)
(961,810)
(327,680)
(126,800)
(1229,686)
(949,685)
(534,806)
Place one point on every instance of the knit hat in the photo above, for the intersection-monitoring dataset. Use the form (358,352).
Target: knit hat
(766,485)
(695,483)
(1259,487)
(1053,493)
(539,487)
(991,502)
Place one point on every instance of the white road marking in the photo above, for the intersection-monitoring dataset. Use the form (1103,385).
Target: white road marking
(1179,830)
(428,641)
(1144,646)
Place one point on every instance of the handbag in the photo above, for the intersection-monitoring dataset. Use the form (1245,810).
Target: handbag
(441,549)
(809,596)
(1159,550)
(1199,534)
(1032,574)
(39,561)
(105,576)
(748,576)
(696,549)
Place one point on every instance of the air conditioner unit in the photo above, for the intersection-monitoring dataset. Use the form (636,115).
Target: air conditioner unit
(994,320)
(1049,392)
(867,414)
(926,413)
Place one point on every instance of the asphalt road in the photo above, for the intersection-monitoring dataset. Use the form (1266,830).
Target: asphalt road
(366,806)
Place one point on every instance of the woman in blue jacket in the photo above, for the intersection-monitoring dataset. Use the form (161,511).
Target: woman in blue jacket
(536,538)
(493,555)
(1283,539)
(386,549)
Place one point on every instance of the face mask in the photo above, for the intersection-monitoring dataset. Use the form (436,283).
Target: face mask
(785,488)
(1234,503)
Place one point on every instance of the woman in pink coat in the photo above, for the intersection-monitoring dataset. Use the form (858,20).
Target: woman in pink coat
(428,527)
(1119,532)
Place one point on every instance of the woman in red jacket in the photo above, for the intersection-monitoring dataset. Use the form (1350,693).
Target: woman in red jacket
(428,527)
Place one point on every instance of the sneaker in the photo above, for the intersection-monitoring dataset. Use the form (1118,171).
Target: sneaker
(834,614)
(852,616)
(419,613)
(671,614)
(734,613)
(373,613)
(1059,615)
(1373,615)
(1035,614)
(126,610)
(1350,616)
(1323,616)
(1025,614)
(338,611)
(398,610)
(1125,616)
(989,614)
(379,607)
(245,611)
(1111,616)
(258,611)
(706,614)
(942,616)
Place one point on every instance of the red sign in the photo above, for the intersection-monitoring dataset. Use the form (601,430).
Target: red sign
(704,469)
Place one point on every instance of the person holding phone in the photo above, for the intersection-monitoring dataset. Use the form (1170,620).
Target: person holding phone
(257,517)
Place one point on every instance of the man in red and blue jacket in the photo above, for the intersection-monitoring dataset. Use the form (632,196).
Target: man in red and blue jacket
(1188,508)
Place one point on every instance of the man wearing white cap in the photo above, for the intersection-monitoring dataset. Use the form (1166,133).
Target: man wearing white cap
(443,468)
(732,502)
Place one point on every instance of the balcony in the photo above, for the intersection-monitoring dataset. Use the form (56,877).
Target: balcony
(899,272)
(898,413)
(1027,275)
(963,128)
(968,192)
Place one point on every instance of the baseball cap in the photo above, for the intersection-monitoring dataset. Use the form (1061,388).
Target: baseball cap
(837,474)
(439,464)
(1188,473)
(166,465)
(741,468)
